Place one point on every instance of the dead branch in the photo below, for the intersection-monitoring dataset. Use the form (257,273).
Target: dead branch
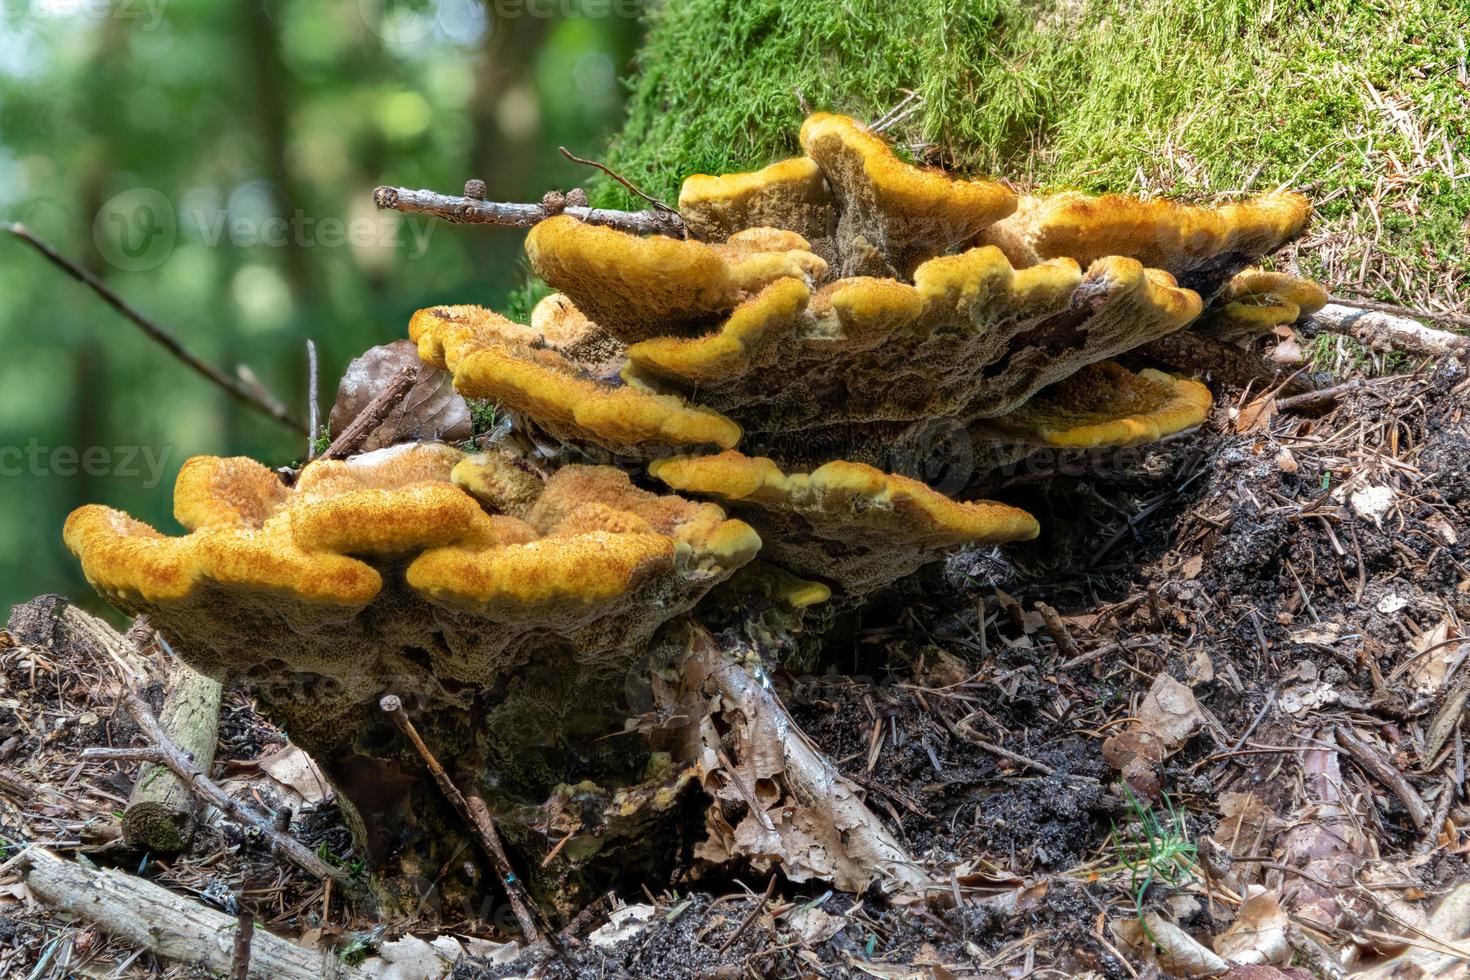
(373,415)
(237,389)
(168,925)
(1318,400)
(240,956)
(810,778)
(1380,769)
(466,210)
(1057,630)
(172,756)
(1387,332)
(313,403)
(161,810)
(476,814)
(1457,319)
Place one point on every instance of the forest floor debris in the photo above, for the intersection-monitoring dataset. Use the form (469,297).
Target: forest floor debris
(1229,734)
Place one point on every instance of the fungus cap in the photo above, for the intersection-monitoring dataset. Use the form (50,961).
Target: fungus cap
(893,213)
(1202,246)
(1103,405)
(1254,302)
(845,523)
(636,287)
(790,194)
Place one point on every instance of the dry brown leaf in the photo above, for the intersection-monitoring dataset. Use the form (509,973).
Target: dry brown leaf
(1170,711)
(1201,668)
(813,925)
(432,409)
(1156,940)
(1244,823)
(1258,934)
(292,767)
(1257,414)
(1434,655)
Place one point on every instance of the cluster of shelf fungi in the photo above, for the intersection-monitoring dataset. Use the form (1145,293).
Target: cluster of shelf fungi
(718,445)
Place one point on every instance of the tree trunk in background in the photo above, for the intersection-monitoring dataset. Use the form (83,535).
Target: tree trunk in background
(502,153)
(263,50)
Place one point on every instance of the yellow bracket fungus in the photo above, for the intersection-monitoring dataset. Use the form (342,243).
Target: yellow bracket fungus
(845,523)
(1255,302)
(1202,247)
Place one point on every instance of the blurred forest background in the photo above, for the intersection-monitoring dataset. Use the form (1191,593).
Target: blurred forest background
(154,141)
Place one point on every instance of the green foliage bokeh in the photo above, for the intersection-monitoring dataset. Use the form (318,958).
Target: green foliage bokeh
(224,115)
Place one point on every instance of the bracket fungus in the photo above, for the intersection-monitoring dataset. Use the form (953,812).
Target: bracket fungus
(848,523)
(1255,302)
(494,602)
(1201,246)
(794,366)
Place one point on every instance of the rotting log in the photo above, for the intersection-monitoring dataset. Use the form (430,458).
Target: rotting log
(162,809)
(1387,332)
(168,925)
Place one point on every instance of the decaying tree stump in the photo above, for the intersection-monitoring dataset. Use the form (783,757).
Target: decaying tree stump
(161,810)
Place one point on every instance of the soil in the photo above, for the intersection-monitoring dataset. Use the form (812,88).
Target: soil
(1300,575)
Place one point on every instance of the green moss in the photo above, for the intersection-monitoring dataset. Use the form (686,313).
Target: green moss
(1347,100)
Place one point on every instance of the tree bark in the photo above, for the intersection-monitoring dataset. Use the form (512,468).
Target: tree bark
(168,925)
(161,811)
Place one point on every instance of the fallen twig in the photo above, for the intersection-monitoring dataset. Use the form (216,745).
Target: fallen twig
(745,923)
(164,752)
(313,408)
(1458,319)
(237,388)
(1319,399)
(476,814)
(1386,332)
(1057,630)
(376,412)
(240,957)
(160,812)
(466,210)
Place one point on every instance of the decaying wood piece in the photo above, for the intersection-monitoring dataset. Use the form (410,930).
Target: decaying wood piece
(382,405)
(1325,845)
(161,810)
(1383,771)
(168,925)
(51,621)
(801,813)
(1387,332)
